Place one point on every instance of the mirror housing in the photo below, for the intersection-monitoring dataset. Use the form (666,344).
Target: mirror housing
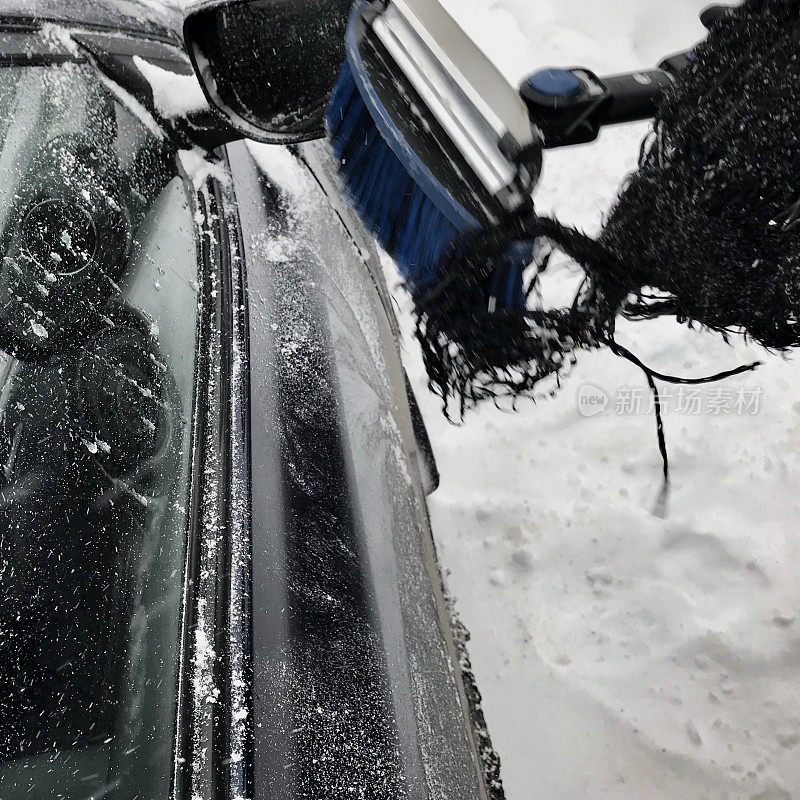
(268,66)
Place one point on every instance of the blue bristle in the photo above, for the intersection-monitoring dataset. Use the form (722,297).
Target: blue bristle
(410,214)
(404,220)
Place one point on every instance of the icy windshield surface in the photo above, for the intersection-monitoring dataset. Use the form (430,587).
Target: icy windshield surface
(98,309)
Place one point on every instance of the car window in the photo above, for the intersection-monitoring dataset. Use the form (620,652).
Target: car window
(98,314)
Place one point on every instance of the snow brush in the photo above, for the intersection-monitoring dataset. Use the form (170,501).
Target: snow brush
(707,230)
(433,142)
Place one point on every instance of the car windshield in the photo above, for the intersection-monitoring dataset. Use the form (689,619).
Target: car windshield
(98,313)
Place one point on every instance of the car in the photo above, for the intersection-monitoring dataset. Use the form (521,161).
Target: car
(217,575)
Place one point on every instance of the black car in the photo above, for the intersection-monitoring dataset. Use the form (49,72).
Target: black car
(217,578)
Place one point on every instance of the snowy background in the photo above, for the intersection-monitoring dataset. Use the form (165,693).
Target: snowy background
(621,655)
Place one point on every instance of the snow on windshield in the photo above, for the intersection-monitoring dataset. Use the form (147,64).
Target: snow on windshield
(98,280)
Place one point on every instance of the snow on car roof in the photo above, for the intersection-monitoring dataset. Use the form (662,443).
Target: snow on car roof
(161,18)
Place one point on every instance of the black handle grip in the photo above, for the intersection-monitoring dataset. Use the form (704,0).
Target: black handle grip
(570,106)
(709,16)
(633,96)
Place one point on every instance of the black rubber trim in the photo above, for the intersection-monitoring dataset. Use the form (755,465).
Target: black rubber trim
(220,750)
(181,787)
(237,314)
(428,467)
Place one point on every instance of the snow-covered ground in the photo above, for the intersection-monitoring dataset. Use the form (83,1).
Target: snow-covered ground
(620,655)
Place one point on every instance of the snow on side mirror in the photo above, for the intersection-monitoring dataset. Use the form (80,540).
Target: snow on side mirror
(268,66)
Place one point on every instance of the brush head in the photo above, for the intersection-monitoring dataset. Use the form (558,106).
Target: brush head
(409,182)
(412,227)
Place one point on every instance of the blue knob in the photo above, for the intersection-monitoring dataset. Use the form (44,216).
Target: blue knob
(555,82)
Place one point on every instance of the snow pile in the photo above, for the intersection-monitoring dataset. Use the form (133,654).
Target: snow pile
(164,7)
(174,95)
(288,173)
(620,655)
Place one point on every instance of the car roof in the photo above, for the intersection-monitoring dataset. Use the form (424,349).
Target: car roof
(154,18)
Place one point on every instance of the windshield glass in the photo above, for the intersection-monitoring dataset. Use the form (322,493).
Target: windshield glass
(98,310)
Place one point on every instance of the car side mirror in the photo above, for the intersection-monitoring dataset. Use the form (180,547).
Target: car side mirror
(269,66)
